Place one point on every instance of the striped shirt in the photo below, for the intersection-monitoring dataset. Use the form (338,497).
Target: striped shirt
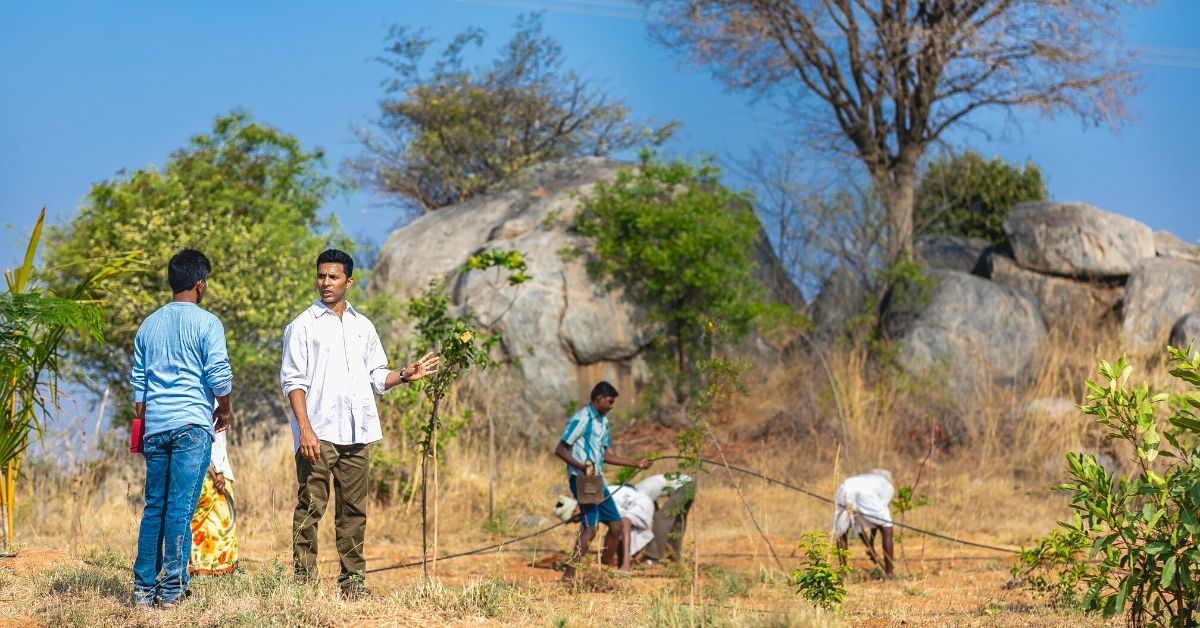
(587,436)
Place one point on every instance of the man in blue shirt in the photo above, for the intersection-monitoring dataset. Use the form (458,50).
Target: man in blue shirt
(180,369)
(585,442)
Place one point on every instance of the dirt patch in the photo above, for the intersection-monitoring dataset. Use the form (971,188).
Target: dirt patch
(21,622)
(36,560)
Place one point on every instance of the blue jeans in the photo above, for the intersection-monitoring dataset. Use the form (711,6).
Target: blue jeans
(176,462)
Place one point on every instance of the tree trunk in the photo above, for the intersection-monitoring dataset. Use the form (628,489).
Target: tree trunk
(491,422)
(898,188)
(425,488)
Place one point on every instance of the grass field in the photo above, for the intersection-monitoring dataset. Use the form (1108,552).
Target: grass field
(77,526)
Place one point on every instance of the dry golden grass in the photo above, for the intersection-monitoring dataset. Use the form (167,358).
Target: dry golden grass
(986,471)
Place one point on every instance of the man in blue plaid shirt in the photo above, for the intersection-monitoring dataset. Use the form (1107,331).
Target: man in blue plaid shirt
(586,441)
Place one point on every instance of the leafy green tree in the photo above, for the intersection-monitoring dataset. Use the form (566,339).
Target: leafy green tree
(33,324)
(247,195)
(681,245)
(443,138)
(1133,544)
(967,195)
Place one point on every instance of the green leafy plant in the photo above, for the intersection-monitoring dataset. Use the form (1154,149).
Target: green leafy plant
(907,501)
(680,244)
(34,322)
(821,578)
(513,261)
(1057,566)
(1141,531)
(461,346)
(969,196)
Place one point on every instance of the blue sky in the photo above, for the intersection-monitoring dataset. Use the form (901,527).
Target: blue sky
(89,88)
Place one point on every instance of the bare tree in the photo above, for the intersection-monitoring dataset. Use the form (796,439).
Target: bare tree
(817,221)
(883,79)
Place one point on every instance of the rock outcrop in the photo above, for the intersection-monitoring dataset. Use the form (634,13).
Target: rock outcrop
(1063,303)
(945,252)
(976,333)
(1160,291)
(1076,239)
(1186,331)
(563,329)
(1167,244)
(841,298)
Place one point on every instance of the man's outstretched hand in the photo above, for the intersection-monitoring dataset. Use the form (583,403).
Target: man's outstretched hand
(427,365)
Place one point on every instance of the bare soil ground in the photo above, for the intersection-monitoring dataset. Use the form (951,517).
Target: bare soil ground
(938,584)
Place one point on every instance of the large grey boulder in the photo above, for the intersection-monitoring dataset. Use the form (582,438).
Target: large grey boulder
(563,330)
(1167,244)
(1066,305)
(946,252)
(1159,291)
(972,332)
(842,297)
(1076,239)
(1186,331)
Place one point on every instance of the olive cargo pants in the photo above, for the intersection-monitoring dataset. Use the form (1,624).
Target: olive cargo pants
(347,466)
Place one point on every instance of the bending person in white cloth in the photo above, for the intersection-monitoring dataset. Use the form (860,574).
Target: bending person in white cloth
(637,514)
(862,505)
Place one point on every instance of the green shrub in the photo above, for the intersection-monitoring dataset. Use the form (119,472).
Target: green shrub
(966,195)
(820,580)
(1133,544)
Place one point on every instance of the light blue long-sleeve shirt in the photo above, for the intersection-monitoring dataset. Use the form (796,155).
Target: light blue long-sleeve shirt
(180,365)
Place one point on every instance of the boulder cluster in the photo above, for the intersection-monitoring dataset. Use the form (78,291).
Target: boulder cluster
(980,321)
(1067,267)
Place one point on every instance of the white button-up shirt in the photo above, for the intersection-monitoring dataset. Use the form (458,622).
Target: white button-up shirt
(336,362)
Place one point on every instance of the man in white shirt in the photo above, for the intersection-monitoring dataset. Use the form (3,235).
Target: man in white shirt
(333,363)
(862,504)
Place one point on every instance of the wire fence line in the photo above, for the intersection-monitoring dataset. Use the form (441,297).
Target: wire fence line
(739,469)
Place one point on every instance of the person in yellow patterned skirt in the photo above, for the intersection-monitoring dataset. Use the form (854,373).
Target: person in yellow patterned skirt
(214,527)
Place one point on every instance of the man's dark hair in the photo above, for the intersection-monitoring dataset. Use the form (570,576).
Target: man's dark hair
(334,256)
(186,268)
(603,389)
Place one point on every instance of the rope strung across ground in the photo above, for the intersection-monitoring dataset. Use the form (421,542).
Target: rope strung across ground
(1007,550)
(750,472)
(490,547)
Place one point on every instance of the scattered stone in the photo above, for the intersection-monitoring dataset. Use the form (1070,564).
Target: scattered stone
(531,521)
(1052,408)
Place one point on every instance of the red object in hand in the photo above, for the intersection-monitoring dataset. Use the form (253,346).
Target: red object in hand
(137,434)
